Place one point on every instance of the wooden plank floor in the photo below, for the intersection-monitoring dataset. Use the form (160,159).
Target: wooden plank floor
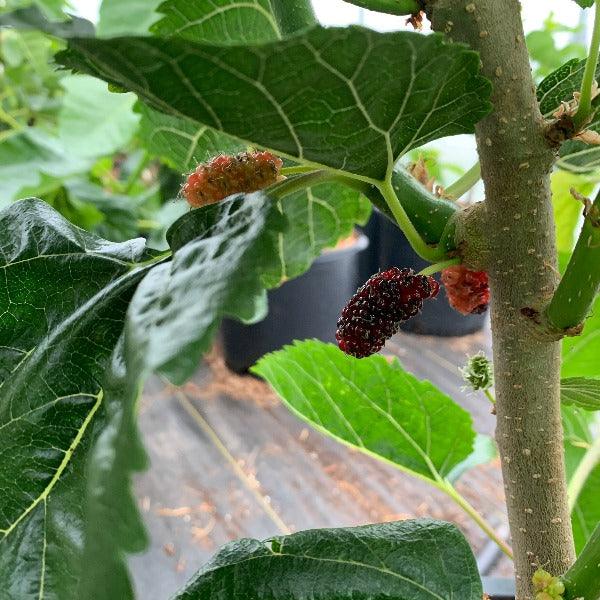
(229,461)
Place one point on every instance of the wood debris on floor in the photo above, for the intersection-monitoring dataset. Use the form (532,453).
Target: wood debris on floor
(229,461)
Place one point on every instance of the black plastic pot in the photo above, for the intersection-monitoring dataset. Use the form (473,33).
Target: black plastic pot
(499,588)
(305,307)
(389,248)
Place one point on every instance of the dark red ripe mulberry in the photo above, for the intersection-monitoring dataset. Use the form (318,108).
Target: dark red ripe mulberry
(468,291)
(375,312)
(225,175)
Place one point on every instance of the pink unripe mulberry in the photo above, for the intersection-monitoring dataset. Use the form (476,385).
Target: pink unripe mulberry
(225,175)
(468,291)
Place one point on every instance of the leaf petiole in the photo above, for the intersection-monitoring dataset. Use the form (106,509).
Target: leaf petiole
(418,244)
(464,183)
(306,179)
(489,396)
(476,516)
(440,266)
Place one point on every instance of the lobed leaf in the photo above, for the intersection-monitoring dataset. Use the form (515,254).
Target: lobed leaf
(319,92)
(220,254)
(407,560)
(63,296)
(373,405)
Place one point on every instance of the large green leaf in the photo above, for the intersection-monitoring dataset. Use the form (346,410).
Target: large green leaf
(580,391)
(319,93)
(407,560)
(63,295)
(319,216)
(221,253)
(93,121)
(373,405)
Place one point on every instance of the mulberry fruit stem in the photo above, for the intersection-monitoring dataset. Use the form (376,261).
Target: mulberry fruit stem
(578,287)
(439,266)
(418,244)
(489,396)
(584,112)
(305,179)
(464,183)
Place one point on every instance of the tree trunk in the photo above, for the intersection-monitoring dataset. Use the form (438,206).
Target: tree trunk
(521,261)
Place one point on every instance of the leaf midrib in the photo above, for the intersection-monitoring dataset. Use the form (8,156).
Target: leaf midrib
(59,471)
(274,555)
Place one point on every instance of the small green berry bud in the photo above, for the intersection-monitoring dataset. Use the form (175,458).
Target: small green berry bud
(547,586)
(557,588)
(542,579)
(478,372)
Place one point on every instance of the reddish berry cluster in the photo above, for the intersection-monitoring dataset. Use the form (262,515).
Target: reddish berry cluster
(378,308)
(468,291)
(225,175)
